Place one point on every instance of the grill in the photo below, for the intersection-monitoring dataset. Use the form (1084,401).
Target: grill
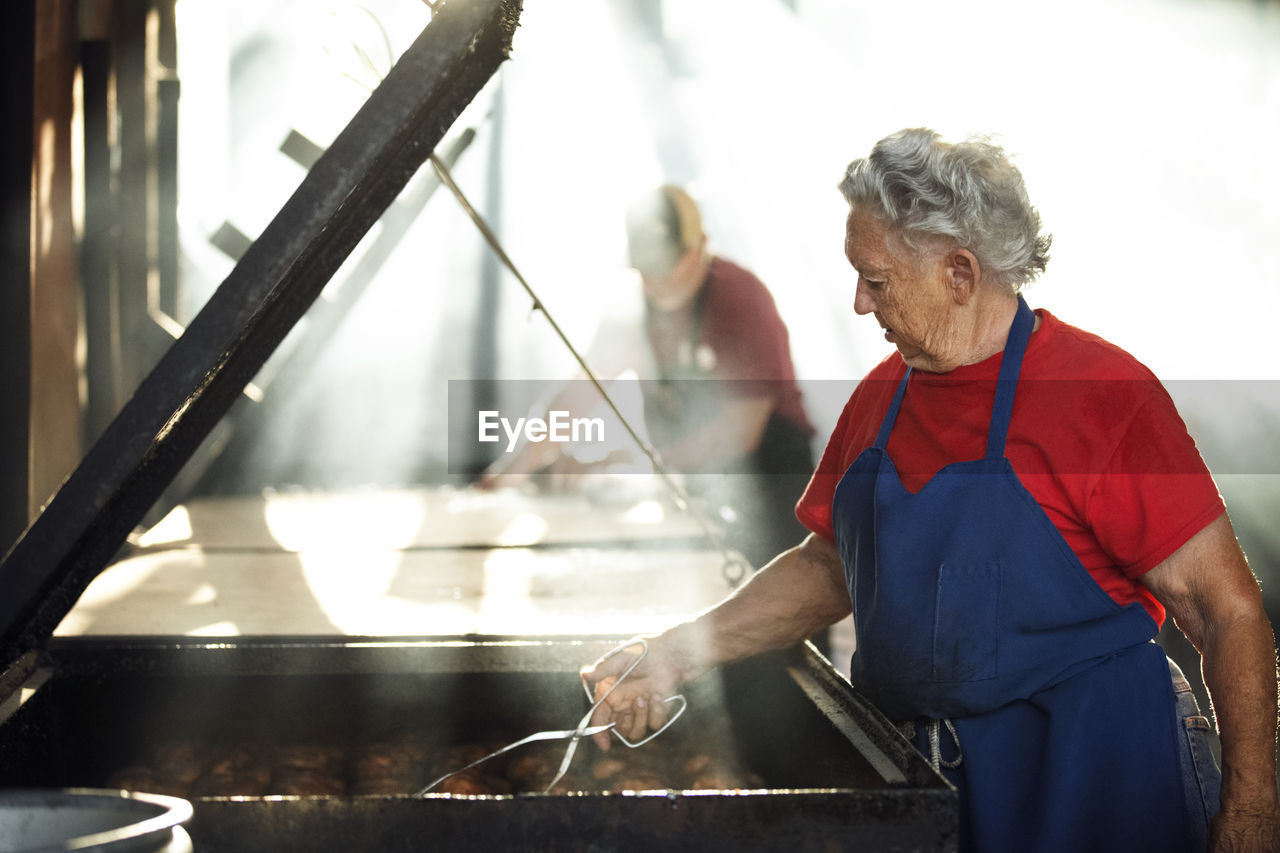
(827,770)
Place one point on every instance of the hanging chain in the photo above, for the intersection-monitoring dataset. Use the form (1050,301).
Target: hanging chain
(734,567)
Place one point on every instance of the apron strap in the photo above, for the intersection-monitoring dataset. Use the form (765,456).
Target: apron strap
(1010,366)
(886,425)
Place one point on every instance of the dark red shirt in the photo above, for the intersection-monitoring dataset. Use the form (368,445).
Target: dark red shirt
(730,331)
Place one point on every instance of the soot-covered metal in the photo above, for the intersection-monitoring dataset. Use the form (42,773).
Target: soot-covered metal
(817,768)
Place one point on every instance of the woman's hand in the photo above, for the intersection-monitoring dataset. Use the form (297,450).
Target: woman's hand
(638,704)
(1255,832)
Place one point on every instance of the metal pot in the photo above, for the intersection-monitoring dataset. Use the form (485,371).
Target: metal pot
(84,819)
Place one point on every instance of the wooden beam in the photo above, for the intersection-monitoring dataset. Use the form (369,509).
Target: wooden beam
(56,433)
(17,61)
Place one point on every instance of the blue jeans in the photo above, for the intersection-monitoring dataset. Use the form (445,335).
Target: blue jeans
(1201,779)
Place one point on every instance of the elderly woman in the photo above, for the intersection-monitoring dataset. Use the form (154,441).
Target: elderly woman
(1009,506)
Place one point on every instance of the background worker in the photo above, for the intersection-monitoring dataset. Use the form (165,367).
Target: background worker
(721,402)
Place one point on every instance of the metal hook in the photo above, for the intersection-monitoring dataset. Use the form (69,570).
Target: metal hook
(735,568)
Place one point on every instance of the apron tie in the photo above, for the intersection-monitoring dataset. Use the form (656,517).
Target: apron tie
(934,733)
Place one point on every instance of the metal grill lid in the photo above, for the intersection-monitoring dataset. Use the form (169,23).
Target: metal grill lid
(272,285)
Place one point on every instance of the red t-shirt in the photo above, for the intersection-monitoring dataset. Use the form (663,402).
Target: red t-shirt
(1094,437)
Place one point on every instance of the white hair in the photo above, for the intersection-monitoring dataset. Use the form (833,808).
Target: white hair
(968,192)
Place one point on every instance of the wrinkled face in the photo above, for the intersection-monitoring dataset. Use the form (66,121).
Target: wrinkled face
(908,295)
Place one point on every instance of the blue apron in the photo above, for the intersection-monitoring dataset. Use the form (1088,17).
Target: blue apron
(971,608)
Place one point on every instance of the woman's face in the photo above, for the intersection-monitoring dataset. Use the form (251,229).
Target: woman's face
(908,294)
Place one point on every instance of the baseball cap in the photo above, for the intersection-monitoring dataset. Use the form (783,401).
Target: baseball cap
(662,225)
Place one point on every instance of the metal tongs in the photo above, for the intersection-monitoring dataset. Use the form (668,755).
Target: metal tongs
(644,651)
(584,728)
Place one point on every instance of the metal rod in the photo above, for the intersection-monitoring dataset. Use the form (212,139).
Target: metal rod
(677,491)
(219,464)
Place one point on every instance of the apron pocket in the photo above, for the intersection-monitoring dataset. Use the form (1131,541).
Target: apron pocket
(966,622)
